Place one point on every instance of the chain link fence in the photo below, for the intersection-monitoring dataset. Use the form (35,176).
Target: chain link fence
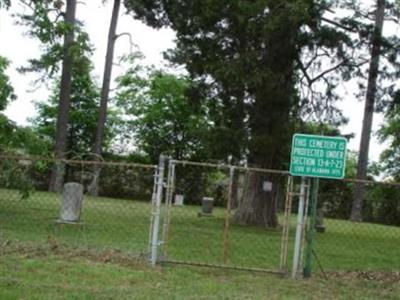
(370,244)
(204,218)
(229,237)
(116,219)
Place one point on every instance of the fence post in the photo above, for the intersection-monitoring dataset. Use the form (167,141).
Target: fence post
(169,193)
(228,213)
(153,203)
(156,211)
(311,230)
(286,226)
(299,228)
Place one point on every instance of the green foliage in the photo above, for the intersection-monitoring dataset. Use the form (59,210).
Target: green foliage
(6,90)
(14,175)
(362,26)
(12,137)
(382,201)
(6,128)
(162,118)
(383,204)
(251,56)
(22,140)
(390,132)
(45,21)
(85,98)
(335,195)
(83,114)
(252,53)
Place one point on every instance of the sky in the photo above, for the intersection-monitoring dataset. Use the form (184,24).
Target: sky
(17,47)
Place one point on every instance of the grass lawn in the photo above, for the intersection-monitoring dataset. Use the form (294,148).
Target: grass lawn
(123,225)
(28,275)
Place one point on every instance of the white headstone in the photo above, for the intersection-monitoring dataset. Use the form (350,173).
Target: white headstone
(178,200)
(72,198)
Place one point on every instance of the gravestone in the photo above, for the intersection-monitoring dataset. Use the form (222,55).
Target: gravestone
(178,200)
(72,198)
(207,204)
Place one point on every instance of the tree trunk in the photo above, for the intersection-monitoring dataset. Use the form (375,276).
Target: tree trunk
(105,90)
(358,195)
(268,149)
(258,207)
(269,118)
(58,171)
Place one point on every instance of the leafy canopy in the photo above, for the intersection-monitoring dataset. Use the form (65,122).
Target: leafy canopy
(161,115)
(6,89)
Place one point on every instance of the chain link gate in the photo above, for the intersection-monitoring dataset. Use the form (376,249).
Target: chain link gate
(183,234)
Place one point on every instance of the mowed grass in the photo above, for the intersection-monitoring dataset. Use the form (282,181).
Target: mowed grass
(105,223)
(123,225)
(26,276)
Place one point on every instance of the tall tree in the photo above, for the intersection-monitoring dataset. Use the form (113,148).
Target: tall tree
(248,52)
(82,115)
(376,45)
(57,174)
(105,91)
(54,28)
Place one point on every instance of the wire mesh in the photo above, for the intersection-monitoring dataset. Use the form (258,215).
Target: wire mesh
(369,243)
(223,239)
(117,218)
(206,217)
(194,235)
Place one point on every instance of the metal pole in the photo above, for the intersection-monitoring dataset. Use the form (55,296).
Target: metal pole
(152,209)
(299,228)
(166,203)
(171,188)
(156,223)
(303,231)
(228,214)
(286,226)
(311,230)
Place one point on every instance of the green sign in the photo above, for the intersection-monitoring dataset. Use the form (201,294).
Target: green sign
(318,156)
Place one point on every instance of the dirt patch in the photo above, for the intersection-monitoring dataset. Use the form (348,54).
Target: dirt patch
(56,248)
(393,277)
(53,247)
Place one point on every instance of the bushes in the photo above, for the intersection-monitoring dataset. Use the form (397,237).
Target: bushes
(382,205)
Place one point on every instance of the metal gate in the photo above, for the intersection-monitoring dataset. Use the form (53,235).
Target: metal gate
(184,234)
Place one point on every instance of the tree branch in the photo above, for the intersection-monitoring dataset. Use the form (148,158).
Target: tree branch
(328,71)
(304,70)
(334,23)
(131,43)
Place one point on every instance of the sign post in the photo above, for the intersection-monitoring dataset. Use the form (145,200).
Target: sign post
(299,226)
(317,157)
(310,235)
